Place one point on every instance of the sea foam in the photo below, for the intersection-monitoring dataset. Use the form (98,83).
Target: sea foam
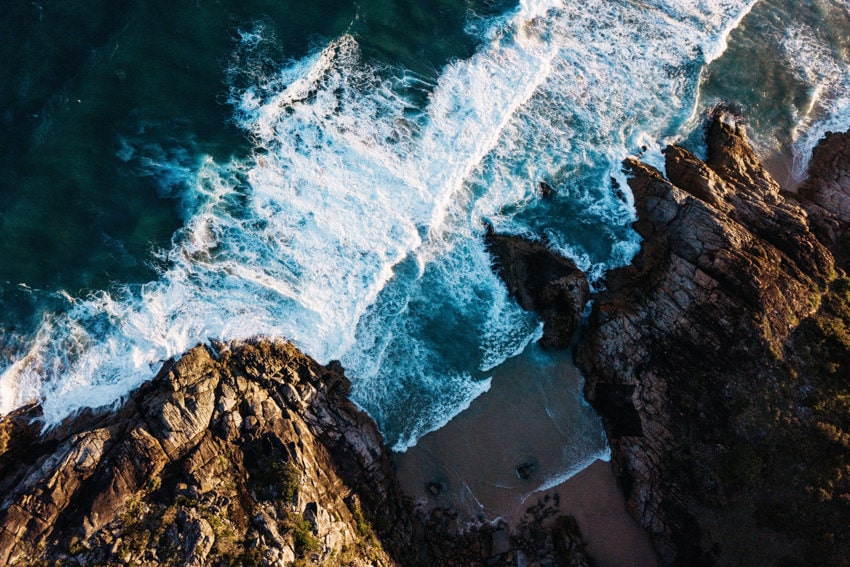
(356,228)
(824,70)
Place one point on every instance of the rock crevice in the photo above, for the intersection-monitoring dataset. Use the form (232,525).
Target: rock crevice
(699,333)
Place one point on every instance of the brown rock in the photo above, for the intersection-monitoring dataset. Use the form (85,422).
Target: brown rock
(175,461)
(695,329)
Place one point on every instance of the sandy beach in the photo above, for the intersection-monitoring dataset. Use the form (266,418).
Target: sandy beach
(532,434)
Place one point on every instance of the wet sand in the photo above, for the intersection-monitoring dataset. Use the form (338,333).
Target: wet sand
(780,165)
(614,538)
(531,434)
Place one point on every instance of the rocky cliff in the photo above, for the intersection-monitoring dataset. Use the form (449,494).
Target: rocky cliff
(237,453)
(718,360)
(698,357)
(247,453)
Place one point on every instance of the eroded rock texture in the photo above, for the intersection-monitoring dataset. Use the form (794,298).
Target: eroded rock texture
(719,358)
(250,453)
(693,356)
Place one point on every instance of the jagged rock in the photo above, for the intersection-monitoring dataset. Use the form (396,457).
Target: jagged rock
(683,352)
(542,281)
(196,538)
(247,452)
(718,358)
(826,191)
(243,453)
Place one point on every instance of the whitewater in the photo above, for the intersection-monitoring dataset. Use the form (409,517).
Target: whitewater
(356,227)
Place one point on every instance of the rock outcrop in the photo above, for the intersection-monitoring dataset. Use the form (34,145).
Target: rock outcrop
(718,359)
(242,453)
(826,192)
(544,537)
(692,354)
(544,282)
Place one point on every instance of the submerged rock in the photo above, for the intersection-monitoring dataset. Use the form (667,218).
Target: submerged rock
(545,189)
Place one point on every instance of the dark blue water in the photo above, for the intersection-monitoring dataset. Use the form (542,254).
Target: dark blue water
(81,79)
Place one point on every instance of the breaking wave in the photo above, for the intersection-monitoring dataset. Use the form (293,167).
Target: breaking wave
(356,227)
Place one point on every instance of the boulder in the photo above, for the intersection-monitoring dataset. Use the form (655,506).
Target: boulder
(542,281)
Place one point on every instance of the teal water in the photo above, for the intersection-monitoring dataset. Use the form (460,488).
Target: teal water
(788,70)
(81,78)
(175,172)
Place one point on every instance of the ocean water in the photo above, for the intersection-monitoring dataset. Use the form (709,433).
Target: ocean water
(324,172)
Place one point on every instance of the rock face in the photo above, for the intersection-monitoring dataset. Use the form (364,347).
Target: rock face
(692,354)
(249,453)
(826,192)
(718,359)
(544,282)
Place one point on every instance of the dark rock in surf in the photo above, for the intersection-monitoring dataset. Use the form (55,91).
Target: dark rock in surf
(525,470)
(542,281)
(826,193)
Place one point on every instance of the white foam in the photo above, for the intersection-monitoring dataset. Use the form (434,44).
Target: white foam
(727,16)
(356,228)
(621,71)
(577,463)
(826,73)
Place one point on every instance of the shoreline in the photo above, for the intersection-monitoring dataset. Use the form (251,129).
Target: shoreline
(306,473)
(779,164)
(613,537)
(534,413)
